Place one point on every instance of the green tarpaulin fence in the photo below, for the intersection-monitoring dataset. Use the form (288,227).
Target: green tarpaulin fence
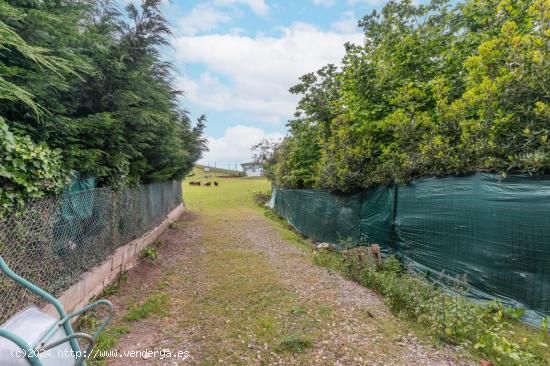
(321,215)
(490,230)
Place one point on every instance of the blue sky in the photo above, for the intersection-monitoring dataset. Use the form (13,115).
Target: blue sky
(238,58)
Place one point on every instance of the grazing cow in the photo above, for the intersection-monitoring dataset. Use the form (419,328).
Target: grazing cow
(216,184)
(208,184)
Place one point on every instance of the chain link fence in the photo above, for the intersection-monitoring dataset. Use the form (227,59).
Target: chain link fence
(54,240)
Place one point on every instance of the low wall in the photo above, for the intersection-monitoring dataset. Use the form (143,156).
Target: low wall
(124,258)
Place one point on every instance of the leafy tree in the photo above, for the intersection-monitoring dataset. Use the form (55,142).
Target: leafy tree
(89,85)
(27,170)
(264,153)
(435,89)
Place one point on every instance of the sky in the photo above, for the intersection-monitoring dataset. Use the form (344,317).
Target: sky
(236,60)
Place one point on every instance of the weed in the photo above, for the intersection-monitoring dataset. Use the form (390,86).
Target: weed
(261,198)
(114,287)
(106,341)
(161,285)
(484,328)
(173,225)
(87,322)
(149,253)
(155,304)
(325,310)
(265,326)
(297,310)
(295,342)
(323,258)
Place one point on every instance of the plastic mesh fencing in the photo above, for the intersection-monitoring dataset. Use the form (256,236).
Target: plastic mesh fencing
(324,216)
(54,240)
(491,231)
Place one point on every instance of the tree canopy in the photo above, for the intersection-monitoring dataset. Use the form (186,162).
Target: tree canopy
(435,89)
(84,88)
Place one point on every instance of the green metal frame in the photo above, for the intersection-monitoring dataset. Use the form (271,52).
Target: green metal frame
(31,352)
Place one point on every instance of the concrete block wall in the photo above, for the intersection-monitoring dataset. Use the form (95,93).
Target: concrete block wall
(124,258)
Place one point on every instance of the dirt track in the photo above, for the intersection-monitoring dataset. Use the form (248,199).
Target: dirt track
(240,294)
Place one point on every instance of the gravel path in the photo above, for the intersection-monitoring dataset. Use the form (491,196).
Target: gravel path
(241,294)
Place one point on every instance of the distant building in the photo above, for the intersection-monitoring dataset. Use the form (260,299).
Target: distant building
(206,169)
(253,169)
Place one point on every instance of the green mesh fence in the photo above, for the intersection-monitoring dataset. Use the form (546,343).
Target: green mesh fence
(492,231)
(323,216)
(53,241)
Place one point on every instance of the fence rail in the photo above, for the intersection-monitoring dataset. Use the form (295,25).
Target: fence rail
(54,240)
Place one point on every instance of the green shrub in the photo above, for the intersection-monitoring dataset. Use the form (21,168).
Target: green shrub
(487,329)
(261,198)
(439,88)
(149,253)
(27,170)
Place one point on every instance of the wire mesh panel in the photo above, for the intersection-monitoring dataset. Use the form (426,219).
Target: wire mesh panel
(52,241)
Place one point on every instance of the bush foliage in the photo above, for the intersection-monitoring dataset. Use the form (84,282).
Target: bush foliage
(435,89)
(27,170)
(83,88)
(488,330)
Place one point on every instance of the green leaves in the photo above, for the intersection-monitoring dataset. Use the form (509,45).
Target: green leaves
(27,170)
(84,88)
(434,90)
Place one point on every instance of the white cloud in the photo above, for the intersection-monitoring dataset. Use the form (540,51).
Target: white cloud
(208,15)
(257,6)
(326,3)
(367,2)
(202,17)
(208,91)
(234,146)
(252,75)
(347,24)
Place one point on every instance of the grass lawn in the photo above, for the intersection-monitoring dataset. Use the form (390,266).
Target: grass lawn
(230,193)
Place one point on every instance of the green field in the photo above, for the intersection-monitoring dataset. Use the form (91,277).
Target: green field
(230,193)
